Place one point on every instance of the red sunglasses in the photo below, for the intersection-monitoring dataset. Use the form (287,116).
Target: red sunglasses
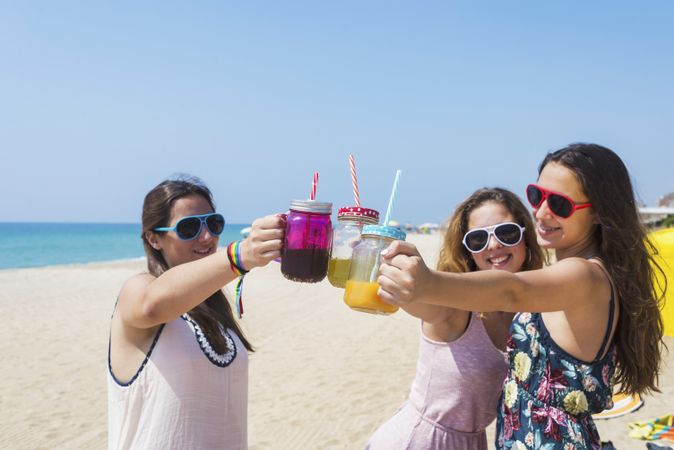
(559,204)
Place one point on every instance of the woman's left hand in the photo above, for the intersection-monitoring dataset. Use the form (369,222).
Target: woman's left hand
(402,274)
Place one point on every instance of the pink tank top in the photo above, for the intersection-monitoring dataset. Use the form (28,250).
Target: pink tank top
(457,384)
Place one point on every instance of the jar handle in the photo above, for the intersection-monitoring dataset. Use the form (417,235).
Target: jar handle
(283,216)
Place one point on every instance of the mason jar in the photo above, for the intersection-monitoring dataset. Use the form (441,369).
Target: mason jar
(306,247)
(361,287)
(350,222)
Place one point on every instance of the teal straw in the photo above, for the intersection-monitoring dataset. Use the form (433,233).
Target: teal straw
(387,218)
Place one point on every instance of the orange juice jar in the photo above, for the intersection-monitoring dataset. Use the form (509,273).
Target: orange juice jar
(361,287)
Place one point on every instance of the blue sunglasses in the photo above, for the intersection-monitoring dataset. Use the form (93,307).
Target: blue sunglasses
(189,227)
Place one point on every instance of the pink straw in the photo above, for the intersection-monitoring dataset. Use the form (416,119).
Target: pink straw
(354,180)
(312,196)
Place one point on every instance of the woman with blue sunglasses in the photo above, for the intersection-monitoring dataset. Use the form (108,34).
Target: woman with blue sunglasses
(177,360)
(584,324)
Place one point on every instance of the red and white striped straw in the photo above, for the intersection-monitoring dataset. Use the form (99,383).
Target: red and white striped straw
(312,196)
(354,180)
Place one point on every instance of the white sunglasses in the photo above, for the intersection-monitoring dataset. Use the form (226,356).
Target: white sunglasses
(506,233)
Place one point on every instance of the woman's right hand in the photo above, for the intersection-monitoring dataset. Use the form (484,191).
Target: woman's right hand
(402,274)
(265,241)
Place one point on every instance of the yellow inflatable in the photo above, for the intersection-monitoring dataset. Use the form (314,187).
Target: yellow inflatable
(664,242)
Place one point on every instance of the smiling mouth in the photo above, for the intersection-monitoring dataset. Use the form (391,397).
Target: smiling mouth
(204,252)
(500,260)
(545,230)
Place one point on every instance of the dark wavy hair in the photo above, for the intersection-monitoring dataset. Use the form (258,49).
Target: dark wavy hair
(454,257)
(157,207)
(627,254)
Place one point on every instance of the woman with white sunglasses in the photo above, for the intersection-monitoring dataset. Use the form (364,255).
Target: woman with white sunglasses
(177,360)
(585,324)
(462,362)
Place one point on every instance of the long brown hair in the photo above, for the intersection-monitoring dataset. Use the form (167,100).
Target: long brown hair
(627,254)
(157,207)
(454,257)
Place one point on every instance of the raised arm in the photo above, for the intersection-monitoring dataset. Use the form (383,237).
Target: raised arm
(146,301)
(440,323)
(566,285)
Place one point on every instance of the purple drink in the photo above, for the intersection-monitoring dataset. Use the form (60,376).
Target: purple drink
(306,249)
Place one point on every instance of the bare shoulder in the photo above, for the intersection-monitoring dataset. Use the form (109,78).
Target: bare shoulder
(133,290)
(576,264)
(136,285)
(568,285)
(578,271)
(130,343)
(587,277)
(585,270)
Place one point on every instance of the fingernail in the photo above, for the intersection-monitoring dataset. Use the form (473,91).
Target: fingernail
(385,251)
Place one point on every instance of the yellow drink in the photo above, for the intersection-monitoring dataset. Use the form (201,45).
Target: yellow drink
(362,296)
(338,272)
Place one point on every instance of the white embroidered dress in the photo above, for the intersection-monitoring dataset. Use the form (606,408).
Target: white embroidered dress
(184,396)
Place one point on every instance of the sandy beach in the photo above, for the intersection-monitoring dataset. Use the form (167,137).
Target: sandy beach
(322,377)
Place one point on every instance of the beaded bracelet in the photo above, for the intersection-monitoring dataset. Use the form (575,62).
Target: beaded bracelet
(234,256)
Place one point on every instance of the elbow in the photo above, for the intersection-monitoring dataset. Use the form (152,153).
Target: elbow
(512,298)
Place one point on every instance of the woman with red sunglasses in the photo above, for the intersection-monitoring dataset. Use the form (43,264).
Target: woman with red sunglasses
(584,324)
(461,363)
(177,360)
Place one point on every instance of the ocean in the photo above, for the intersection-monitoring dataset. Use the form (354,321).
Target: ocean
(46,244)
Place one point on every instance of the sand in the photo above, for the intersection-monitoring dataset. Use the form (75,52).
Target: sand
(323,376)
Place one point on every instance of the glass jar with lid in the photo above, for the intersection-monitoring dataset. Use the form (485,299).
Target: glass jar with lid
(350,222)
(306,247)
(361,287)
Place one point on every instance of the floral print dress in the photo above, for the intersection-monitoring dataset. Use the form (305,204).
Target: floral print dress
(549,396)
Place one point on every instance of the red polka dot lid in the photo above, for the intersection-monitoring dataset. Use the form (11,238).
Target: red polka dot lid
(358,211)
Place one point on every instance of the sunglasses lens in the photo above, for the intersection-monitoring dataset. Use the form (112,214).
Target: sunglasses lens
(188,228)
(215,224)
(508,233)
(559,205)
(534,196)
(477,240)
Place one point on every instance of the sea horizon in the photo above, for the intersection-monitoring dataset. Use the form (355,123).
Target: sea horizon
(40,244)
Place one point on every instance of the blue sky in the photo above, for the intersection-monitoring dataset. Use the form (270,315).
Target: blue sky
(101,101)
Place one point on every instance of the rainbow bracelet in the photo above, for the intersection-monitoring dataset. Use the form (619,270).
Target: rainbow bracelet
(234,256)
